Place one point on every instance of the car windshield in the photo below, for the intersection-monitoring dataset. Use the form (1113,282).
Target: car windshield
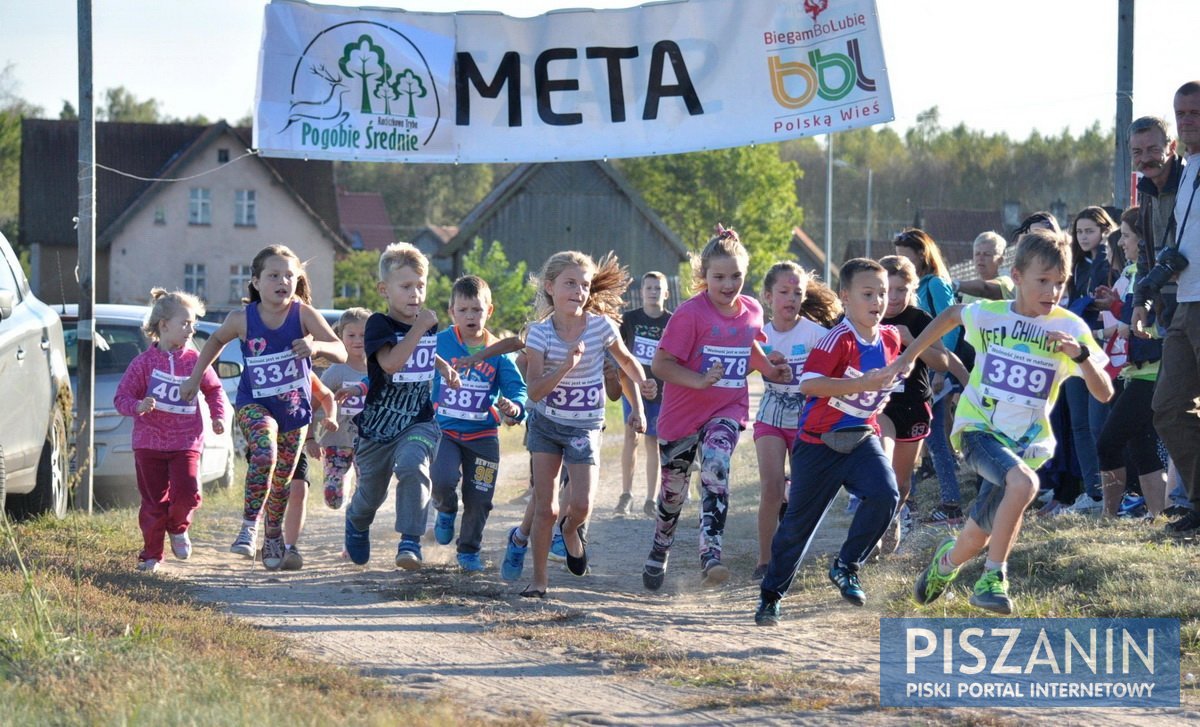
(125,342)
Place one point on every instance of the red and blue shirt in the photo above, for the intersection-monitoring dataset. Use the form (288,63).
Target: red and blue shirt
(843,354)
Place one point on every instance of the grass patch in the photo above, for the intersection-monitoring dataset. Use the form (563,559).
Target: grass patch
(108,645)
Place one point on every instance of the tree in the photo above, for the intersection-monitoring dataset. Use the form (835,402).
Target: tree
(512,293)
(750,189)
(358,273)
(384,90)
(364,59)
(411,85)
(13,108)
(68,112)
(121,105)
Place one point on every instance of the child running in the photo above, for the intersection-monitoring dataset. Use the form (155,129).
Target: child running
(904,421)
(469,452)
(710,345)
(845,382)
(168,431)
(641,330)
(337,444)
(580,302)
(279,332)
(1025,349)
(396,430)
(778,420)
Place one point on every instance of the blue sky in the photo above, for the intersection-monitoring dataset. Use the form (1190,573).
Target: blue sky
(997,66)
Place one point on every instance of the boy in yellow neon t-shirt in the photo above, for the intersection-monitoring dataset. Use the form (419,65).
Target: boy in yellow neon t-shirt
(1026,349)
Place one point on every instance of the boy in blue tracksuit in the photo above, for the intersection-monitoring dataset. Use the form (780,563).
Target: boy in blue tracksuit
(492,391)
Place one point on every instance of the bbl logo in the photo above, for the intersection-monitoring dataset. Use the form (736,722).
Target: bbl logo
(363,85)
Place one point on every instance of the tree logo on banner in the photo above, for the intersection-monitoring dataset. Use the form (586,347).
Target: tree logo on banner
(367,85)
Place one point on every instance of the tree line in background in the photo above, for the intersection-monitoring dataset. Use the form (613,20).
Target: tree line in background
(762,191)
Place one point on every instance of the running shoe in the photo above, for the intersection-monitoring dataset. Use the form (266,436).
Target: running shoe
(514,557)
(654,572)
(1085,505)
(443,527)
(408,555)
(357,544)
(991,593)
(470,562)
(945,514)
(932,583)
(272,552)
(623,503)
(244,543)
(181,545)
(768,612)
(292,560)
(846,579)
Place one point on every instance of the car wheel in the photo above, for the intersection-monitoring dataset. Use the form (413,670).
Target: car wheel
(50,492)
(226,479)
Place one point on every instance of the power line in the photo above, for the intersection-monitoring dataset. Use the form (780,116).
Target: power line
(249,153)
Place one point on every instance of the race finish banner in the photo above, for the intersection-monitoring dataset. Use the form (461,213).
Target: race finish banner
(370,84)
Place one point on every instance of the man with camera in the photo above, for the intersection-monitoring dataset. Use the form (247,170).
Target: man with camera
(1177,395)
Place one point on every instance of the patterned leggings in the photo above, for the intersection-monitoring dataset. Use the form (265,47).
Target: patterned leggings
(714,443)
(338,461)
(271,455)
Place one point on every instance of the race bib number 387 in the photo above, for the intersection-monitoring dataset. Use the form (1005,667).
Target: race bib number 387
(275,373)
(1017,377)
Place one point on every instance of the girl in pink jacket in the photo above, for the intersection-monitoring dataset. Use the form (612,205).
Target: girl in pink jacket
(168,433)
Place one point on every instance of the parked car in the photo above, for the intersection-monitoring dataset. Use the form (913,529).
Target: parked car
(119,339)
(35,423)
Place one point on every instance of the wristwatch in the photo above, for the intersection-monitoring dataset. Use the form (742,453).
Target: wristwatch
(1083,354)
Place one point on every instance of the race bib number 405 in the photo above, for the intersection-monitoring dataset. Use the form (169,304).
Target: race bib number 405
(469,402)
(1017,377)
(275,373)
(579,399)
(420,363)
(165,389)
(735,359)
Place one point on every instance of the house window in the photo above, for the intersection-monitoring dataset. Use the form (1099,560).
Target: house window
(160,215)
(222,156)
(194,279)
(349,290)
(239,281)
(200,206)
(245,208)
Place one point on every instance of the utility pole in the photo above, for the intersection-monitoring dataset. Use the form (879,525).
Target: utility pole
(828,207)
(1121,163)
(867,237)
(86,226)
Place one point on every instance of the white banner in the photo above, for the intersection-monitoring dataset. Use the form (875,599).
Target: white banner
(372,84)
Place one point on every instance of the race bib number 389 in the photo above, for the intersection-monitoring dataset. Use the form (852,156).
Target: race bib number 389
(275,373)
(1017,377)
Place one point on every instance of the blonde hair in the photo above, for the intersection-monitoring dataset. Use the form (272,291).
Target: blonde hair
(900,266)
(303,292)
(402,255)
(609,282)
(1051,248)
(993,237)
(821,304)
(351,315)
(164,306)
(725,243)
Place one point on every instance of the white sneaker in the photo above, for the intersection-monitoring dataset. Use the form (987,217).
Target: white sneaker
(272,557)
(148,565)
(1085,505)
(181,545)
(244,543)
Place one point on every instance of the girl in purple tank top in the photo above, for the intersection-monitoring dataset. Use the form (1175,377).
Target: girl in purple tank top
(279,331)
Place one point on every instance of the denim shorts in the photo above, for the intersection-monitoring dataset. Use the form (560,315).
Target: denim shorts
(991,460)
(652,408)
(575,444)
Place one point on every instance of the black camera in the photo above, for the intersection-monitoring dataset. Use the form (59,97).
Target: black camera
(1169,262)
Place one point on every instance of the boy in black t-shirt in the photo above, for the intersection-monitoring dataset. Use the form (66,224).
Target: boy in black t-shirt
(641,329)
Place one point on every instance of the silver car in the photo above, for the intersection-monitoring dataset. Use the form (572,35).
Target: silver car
(36,419)
(119,339)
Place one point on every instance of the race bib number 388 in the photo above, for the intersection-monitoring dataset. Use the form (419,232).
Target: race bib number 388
(275,373)
(1017,377)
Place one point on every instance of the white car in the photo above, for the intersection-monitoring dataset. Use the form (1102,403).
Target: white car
(119,339)
(35,462)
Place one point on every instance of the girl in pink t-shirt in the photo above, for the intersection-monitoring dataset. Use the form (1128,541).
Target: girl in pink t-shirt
(707,349)
(168,433)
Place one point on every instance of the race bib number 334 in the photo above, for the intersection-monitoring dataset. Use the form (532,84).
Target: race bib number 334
(275,373)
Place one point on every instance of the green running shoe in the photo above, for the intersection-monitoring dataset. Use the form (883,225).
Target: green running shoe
(991,593)
(932,583)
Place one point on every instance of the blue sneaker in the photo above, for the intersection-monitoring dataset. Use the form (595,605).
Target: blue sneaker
(514,558)
(558,548)
(443,527)
(470,562)
(358,544)
(408,555)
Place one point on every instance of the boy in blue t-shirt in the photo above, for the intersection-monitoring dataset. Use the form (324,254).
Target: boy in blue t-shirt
(492,391)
